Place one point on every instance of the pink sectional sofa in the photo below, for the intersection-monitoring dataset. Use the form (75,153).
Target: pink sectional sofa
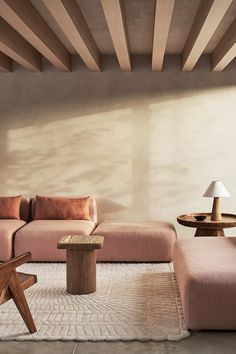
(143,241)
(205,269)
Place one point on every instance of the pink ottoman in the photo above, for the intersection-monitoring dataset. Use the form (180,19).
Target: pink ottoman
(206,274)
(150,241)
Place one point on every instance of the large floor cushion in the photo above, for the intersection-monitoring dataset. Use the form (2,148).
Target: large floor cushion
(206,274)
(136,241)
(8,227)
(40,237)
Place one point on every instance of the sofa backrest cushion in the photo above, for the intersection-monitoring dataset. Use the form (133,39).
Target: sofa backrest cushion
(25,213)
(92,208)
(10,207)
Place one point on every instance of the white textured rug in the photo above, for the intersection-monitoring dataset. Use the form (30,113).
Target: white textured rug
(132,302)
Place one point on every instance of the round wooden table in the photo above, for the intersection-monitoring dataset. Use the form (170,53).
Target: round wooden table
(208,227)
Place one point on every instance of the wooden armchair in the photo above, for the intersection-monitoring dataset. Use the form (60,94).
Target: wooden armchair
(13,284)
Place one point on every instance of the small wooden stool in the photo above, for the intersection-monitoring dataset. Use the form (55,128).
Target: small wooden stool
(81,262)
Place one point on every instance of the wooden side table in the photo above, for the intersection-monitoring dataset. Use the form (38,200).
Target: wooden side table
(81,262)
(208,227)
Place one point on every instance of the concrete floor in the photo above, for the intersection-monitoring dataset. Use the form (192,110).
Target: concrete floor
(197,343)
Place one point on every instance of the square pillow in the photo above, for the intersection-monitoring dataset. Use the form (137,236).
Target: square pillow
(10,207)
(62,208)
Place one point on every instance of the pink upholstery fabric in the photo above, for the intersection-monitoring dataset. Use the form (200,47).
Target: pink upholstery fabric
(205,268)
(136,242)
(8,228)
(40,237)
(92,209)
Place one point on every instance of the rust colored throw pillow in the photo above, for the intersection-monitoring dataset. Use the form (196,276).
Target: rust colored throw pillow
(10,207)
(62,208)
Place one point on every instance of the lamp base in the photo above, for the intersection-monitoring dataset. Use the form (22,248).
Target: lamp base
(216,212)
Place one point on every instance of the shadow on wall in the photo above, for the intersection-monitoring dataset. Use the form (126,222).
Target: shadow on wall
(147,141)
(35,98)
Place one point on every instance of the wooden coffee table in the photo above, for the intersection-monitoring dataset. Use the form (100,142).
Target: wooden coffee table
(81,262)
(208,227)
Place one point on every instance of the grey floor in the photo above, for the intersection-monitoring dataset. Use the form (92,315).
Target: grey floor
(197,343)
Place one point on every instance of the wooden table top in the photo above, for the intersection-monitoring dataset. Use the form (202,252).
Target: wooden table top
(228,220)
(80,242)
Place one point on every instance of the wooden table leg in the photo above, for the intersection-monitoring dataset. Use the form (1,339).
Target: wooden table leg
(209,232)
(81,271)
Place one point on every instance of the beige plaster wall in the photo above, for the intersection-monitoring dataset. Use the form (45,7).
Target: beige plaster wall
(150,142)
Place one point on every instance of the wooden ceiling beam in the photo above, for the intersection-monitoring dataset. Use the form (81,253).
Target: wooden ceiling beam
(17,48)
(25,19)
(225,51)
(163,15)
(71,21)
(208,17)
(5,63)
(115,18)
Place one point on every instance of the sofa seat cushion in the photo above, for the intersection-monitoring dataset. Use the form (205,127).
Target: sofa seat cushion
(206,274)
(136,241)
(8,227)
(40,237)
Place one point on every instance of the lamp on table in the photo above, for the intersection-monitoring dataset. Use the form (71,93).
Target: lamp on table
(216,190)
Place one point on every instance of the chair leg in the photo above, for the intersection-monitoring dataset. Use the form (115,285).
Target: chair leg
(19,299)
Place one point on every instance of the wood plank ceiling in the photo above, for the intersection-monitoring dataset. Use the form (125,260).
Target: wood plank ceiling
(58,29)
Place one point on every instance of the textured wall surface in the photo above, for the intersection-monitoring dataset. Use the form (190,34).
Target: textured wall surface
(149,142)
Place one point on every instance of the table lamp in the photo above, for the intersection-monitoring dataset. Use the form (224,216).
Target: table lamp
(216,190)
